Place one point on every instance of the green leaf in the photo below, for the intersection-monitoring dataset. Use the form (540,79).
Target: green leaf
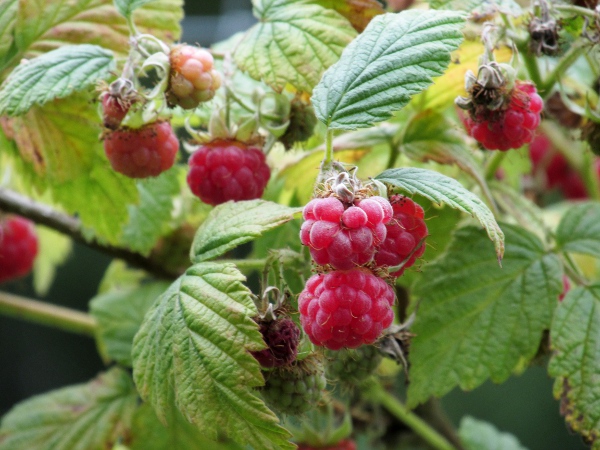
(148,221)
(358,12)
(8,18)
(149,434)
(575,338)
(479,6)
(55,74)
(119,315)
(192,350)
(54,248)
(294,43)
(126,7)
(445,190)
(91,416)
(579,229)
(392,60)
(479,435)
(234,223)
(477,320)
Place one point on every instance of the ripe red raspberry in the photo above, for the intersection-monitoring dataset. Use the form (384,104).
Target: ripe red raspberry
(512,125)
(344,236)
(281,336)
(18,247)
(345,308)
(406,233)
(193,79)
(113,111)
(225,170)
(143,152)
(345,444)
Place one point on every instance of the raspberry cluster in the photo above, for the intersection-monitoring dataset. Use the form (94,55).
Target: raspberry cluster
(345,308)
(406,233)
(18,248)
(510,126)
(226,169)
(351,366)
(295,389)
(193,79)
(344,237)
(144,152)
(281,336)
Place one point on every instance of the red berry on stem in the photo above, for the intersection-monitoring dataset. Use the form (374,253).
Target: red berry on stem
(224,170)
(281,336)
(113,111)
(144,152)
(18,248)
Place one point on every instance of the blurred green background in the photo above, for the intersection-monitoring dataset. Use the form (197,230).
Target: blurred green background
(35,359)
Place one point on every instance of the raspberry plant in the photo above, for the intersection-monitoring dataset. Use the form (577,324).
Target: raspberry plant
(346,153)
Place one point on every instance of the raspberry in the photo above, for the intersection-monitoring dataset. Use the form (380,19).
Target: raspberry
(281,337)
(406,233)
(225,170)
(193,79)
(143,152)
(351,366)
(301,126)
(295,389)
(113,111)
(18,247)
(344,236)
(345,444)
(545,159)
(510,126)
(345,308)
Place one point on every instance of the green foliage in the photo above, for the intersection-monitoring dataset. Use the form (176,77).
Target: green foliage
(54,248)
(232,224)
(56,74)
(126,7)
(476,320)
(575,338)
(294,43)
(392,60)
(478,435)
(91,416)
(441,189)
(479,6)
(579,229)
(192,351)
(119,314)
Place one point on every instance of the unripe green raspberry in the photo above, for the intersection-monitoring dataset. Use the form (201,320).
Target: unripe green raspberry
(351,366)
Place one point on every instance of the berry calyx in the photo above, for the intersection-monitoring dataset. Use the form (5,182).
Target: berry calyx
(193,79)
(345,308)
(281,336)
(406,233)
(143,152)
(226,169)
(295,389)
(512,124)
(351,366)
(18,247)
(344,235)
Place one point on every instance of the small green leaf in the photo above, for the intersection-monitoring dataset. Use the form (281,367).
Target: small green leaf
(234,223)
(575,338)
(192,350)
(91,416)
(294,43)
(148,221)
(479,435)
(54,248)
(126,7)
(579,229)
(119,315)
(392,60)
(8,18)
(479,6)
(477,320)
(55,74)
(445,190)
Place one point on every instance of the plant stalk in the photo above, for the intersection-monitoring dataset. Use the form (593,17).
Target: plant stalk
(561,67)
(59,317)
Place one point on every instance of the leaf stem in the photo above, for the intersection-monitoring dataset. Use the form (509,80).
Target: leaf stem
(565,62)
(12,202)
(59,317)
(531,64)
(573,270)
(377,393)
(494,164)
(573,9)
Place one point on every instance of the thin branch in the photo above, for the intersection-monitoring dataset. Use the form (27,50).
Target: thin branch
(59,317)
(15,203)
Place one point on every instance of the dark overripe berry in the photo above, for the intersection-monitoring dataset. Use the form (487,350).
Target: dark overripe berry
(143,152)
(281,336)
(18,247)
(302,124)
(226,169)
(345,308)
